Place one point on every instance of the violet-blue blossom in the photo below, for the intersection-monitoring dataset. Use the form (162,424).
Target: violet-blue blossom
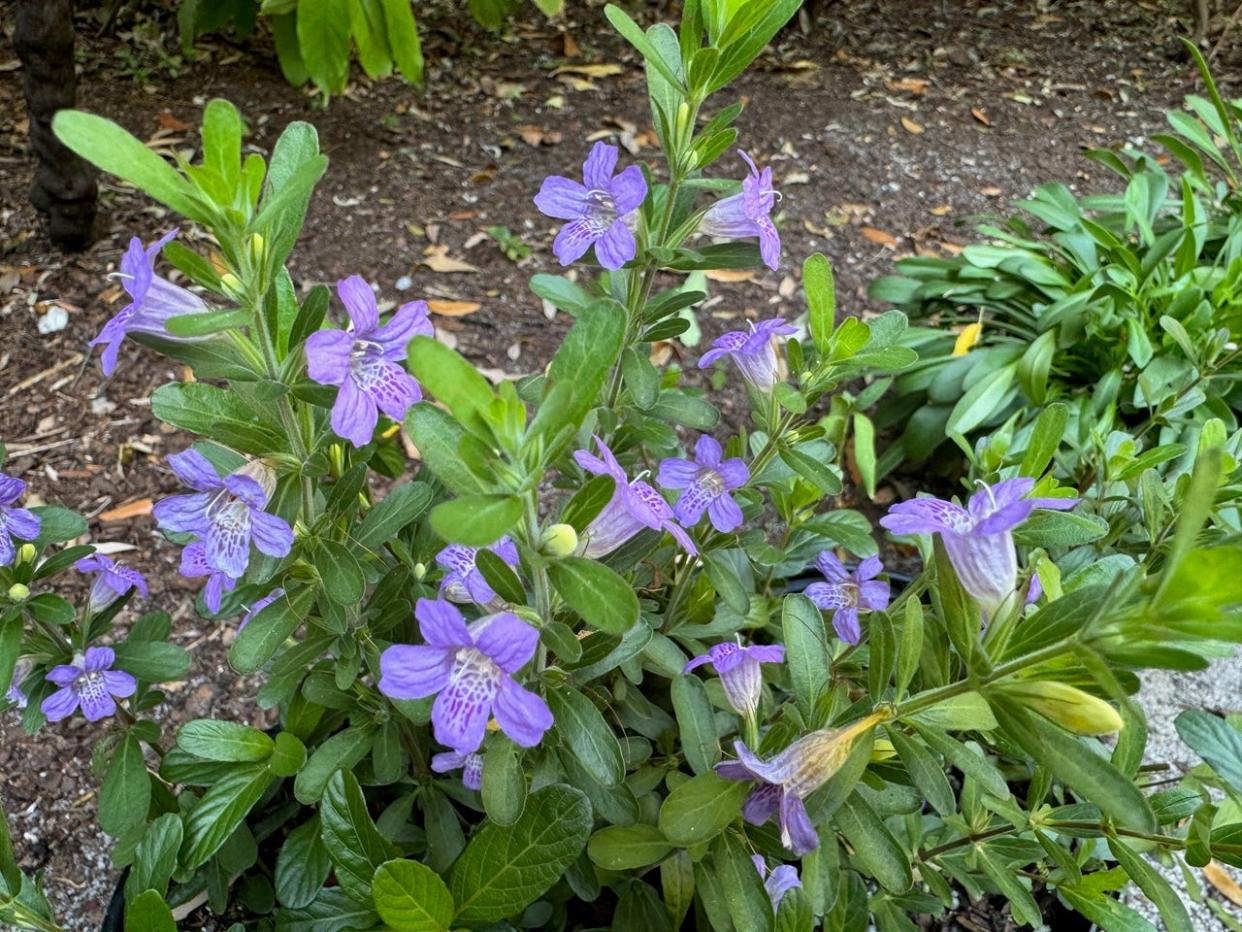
(14,522)
(779,881)
(258,606)
(194,565)
(739,670)
(15,694)
(225,512)
(1034,590)
(89,682)
(367,362)
(848,594)
(752,351)
(471,766)
(463,581)
(112,581)
(748,214)
(153,301)
(471,668)
(634,505)
(979,537)
(598,211)
(708,479)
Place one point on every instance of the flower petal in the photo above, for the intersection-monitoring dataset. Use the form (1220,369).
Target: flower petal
(845,623)
(762,804)
(832,568)
(391,388)
(11,489)
(60,704)
(734,472)
(873,595)
(23,523)
(448,760)
(98,658)
(562,198)
(766,653)
(184,513)
(414,671)
(195,470)
(441,624)
(120,683)
(63,675)
(827,596)
(410,321)
(271,534)
(616,247)
(327,356)
(926,516)
(676,473)
(506,639)
(629,190)
(572,242)
(359,301)
(97,705)
(228,546)
(797,832)
(707,451)
(599,165)
(460,713)
(354,414)
(725,514)
(522,714)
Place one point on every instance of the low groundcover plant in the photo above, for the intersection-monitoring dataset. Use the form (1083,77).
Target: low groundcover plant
(562,673)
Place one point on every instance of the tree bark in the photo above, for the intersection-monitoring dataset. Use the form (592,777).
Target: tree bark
(64,187)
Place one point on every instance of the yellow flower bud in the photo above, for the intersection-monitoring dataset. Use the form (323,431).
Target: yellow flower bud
(1068,706)
(19,592)
(558,540)
(257,248)
(968,338)
(26,553)
(232,285)
(420,570)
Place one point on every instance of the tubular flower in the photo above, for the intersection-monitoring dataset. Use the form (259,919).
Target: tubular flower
(634,505)
(753,351)
(153,301)
(780,881)
(367,362)
(258,606)
(89,682)
(793,775)
(848,594)
(112,582)
(17,523)
(15,694)
(226,513)
(597,211)
(739,671)
(194,565)
(748,214)
(462,580)
(708,479)
(471,766)
(979,537)
(471,668)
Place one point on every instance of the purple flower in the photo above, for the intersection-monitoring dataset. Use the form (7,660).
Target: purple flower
(462,580)
(846,594)
(14,522)
(472,670)
(708,481)
(194,564)
(226,513)
(1035,590)
(780,881)
(368,363)
(596,211)
(748,214)
(89,682)
(753,351)
(979,537)
(153,300)
(739,671)
(471,765)
(15,694)
(113,581)
(633,506)
(258,606)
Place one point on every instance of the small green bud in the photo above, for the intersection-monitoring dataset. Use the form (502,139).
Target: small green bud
(558,540)
(420,570)
(257,249)
(232,285)
(19,592)
(26,553)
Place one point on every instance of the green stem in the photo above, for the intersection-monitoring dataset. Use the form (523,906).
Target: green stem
(677,596)
(539,575)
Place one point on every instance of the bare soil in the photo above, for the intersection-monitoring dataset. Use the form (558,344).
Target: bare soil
(889,126)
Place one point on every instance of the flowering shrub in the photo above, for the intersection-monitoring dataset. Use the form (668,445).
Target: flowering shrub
(529,684)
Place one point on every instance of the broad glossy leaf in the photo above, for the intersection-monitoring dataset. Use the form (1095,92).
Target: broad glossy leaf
(353,842)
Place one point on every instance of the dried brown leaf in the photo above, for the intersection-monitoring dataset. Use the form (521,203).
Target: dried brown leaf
(134,509)
(911,126)
(438,260)
(447,308)
(1219,878)
(879,237)
(730,275)
(602,70)
(979,114)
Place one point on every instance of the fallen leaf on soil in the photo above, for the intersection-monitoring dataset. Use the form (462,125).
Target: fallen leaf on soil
(1219,878)
(577,83)
(729,275)
(569,47)
(556,102)
(603,70)
(978,114)
(990,190)
(438,260)
(170,122)
(537,136)
(453,308)
(879,237)
(911,126)
(796,178)
(941,210)
(135,509)
(912,85)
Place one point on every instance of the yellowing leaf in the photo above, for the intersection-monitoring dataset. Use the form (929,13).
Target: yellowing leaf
(452,308)
(129,510)
(438,260)
(730,275)
(967,339)
(1219,878)
(591,71)
(879,237)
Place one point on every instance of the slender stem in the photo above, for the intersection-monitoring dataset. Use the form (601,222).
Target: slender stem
(677,596)
(966,840)
(54,635)
(538,576)
(1117,830)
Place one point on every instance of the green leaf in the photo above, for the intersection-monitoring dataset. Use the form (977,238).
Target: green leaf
(627,847)
(505,868)
(864,452)
(910,650)
(222,140)
(500,576)
(750,29)
(1052,529)
(820,475)
(111,148)
(288,756)
(749,906)
(454,382)
(633,34)
(403,39)
(984,400)
(201,325)
(331,911)
(219,414)
(1046,435)
(1023,906)
(1215,740)
(600,595)
(583,728)
(699,809)
(925,772)
(821,298)
(126,791)
(155,857)
(589,501)
(394,511)
(641,378)
(267,632)
(323,37)
(57,525)
(302,865)
(696,722)
(969,762)
(806,651)
(411,897)
(504,783)
(1154,886)
(220,811)
(342,751)
(476,520)
(967,712)
(212,739)
(354,844)
(876,851)
(339,572)
(149,913)
(370,35)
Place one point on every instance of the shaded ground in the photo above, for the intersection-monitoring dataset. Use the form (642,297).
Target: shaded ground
(887,126)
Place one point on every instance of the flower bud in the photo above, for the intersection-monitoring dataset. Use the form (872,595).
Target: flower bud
(420,570)
(232,285)
(26,553)
(558,540)
(261,473)
(257,249)
(19,592)
(1068,706)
